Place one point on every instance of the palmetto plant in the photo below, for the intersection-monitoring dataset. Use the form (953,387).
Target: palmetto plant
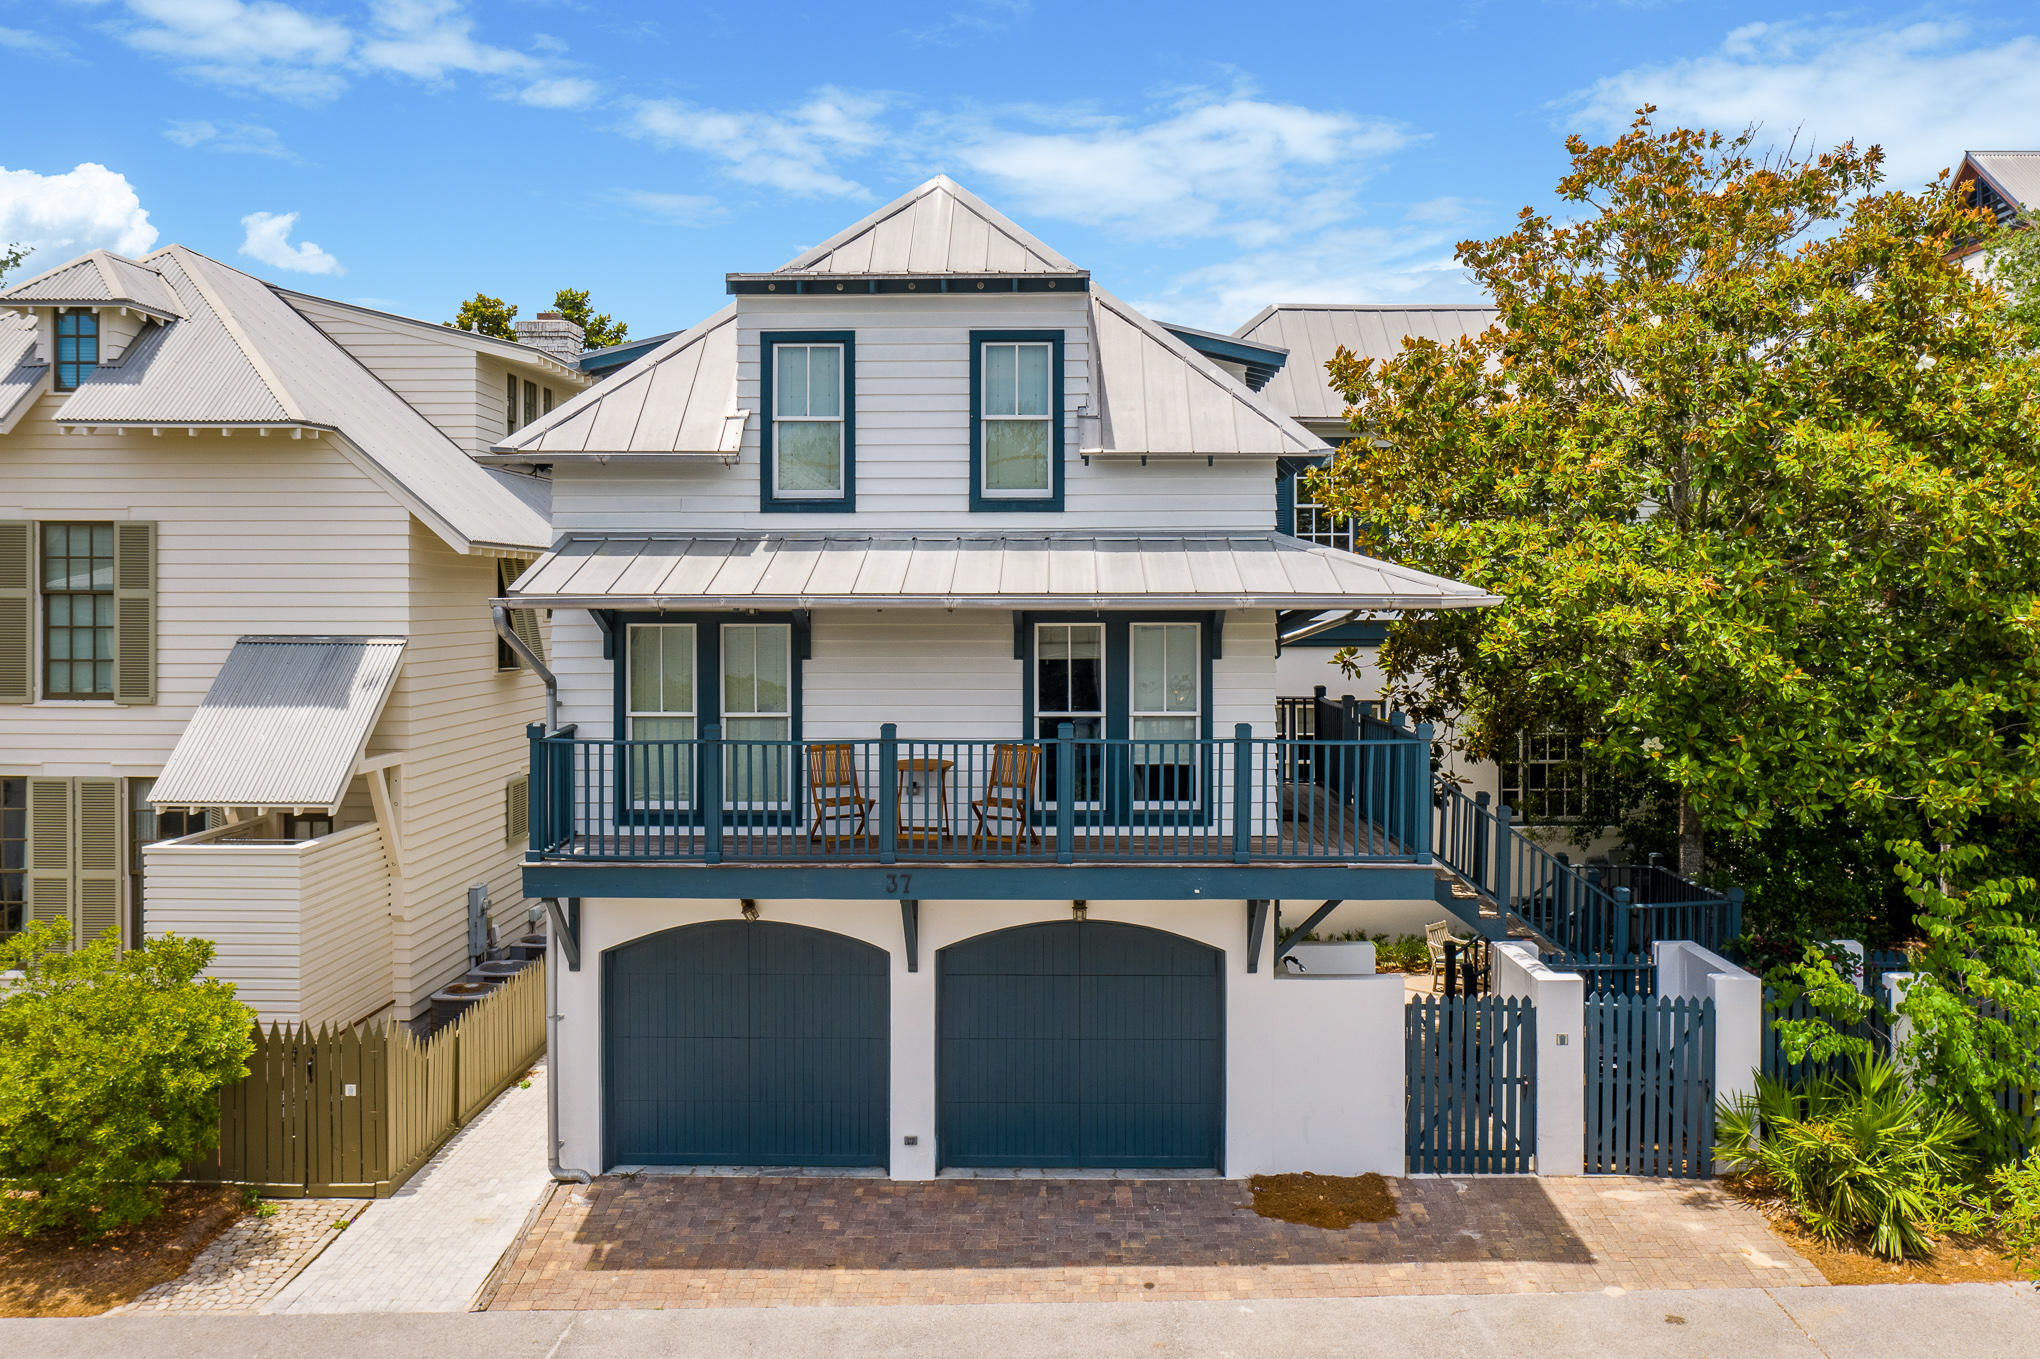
(1858,1153)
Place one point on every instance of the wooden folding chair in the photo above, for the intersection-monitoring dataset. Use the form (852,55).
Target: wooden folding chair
(1009,793)
(834,791)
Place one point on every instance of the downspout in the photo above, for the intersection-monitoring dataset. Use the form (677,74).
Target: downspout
(560,1173)
(564,1174)
(1324,622)
(524,653)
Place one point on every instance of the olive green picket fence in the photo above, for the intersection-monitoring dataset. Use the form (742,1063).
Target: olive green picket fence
(353,1112)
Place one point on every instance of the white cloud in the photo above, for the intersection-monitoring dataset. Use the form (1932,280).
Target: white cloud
(972,20)
(1409,262)
(246,139)
(1925,92)
(790,151)
(22,40)
(58,216)
(565,92)
(681,209)
(275,48)
(431,39)
(268,241)
(1232,165)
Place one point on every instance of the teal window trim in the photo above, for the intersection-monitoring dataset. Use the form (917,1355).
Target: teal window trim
(77,348)
(1058,430)
(1118,681)
(768,500)
(708,705)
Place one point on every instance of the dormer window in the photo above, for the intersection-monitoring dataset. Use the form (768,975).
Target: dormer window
(77,348)
(809,432)
(1016,440)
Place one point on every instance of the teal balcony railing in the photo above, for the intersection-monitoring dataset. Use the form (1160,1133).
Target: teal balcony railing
(1067,799)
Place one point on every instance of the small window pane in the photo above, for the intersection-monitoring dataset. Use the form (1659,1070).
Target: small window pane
(790,371)
(825,381)
(676,690)
(1033,380)
(1016,455)
(740,670)
(999,380)
(810,455)
(772,670)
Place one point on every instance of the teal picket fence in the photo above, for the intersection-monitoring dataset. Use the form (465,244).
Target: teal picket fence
(1650,1086)
(1471,1084)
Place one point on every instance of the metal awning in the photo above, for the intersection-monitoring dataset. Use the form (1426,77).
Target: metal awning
(284,725)
(1102,570)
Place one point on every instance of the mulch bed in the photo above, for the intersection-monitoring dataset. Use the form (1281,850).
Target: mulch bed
(1334,1202)
(56,1275)
(1958,1259)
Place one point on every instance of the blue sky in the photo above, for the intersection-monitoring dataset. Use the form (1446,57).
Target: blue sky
(1201,160)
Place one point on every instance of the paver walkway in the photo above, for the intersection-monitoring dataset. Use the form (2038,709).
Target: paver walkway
(685,1241)
(430,1246)
(253,1260)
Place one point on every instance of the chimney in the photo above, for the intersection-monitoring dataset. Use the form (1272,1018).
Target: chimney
(553,333)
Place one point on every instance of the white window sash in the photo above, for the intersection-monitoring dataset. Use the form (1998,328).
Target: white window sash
(779,491)
(987,417)
(1164,751)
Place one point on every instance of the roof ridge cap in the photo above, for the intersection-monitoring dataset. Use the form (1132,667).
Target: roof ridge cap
(278,392)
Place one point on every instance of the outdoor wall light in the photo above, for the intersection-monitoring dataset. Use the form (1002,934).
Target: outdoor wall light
(750,909)
(1080,910)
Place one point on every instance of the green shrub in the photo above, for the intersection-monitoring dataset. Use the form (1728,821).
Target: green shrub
(2018,1191)
(109,1063)
(1405,953)
(1857,1154)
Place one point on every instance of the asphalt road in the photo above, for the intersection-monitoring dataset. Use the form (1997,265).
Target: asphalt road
(1965,1321)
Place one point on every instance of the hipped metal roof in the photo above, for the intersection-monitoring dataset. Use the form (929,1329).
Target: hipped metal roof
(1096,570)
(237,355)
(1313,333)
(99,279)
(21,371)
(284,724)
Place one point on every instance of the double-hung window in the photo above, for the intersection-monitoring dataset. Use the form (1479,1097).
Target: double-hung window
(757,690)
(1545,783)
(1166,711)
(1069,686)
(77,561)
(77,348)
(1016,420)
(660,708)
(810,426)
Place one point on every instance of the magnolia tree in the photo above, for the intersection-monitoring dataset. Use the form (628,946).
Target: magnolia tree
(1753,466)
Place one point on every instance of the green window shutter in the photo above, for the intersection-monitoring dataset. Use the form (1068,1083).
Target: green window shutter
(17,571)
(96,854)
(523,622)
(134,612)
(50,805)
(517,808)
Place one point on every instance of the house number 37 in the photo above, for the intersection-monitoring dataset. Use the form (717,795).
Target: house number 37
(899,884)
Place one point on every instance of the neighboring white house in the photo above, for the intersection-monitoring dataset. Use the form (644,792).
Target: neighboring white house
(250,687)
(917,801)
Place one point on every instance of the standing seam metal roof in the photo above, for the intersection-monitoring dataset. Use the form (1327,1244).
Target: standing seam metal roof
(2015,174)
(976,570)
(283,725)
(1314,332)
(938,228)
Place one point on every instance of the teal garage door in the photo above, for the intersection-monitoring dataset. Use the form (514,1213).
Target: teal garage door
(745,1043)
(1080,1044)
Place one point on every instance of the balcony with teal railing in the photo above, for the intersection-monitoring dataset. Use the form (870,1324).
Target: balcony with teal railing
(1362,798)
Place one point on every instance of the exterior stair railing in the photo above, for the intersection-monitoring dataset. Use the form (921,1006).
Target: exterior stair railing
(1597,916)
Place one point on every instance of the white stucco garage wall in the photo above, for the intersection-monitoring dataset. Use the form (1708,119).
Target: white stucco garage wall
(1338,1109)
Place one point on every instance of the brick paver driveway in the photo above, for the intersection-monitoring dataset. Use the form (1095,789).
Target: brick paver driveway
(684,1241)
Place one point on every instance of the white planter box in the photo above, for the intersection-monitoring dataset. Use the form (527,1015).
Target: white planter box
(1354,958)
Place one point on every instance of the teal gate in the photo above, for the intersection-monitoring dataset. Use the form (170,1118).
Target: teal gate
(1650,1086)
(1470,1068)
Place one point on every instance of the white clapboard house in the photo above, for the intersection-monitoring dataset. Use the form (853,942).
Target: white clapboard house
(916,799)
(250,683)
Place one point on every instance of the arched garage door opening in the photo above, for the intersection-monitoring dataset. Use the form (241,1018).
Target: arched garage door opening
(1080,1044)
(745,1042)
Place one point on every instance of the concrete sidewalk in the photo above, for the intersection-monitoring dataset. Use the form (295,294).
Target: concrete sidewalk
(430,1246)
(1963,1321)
